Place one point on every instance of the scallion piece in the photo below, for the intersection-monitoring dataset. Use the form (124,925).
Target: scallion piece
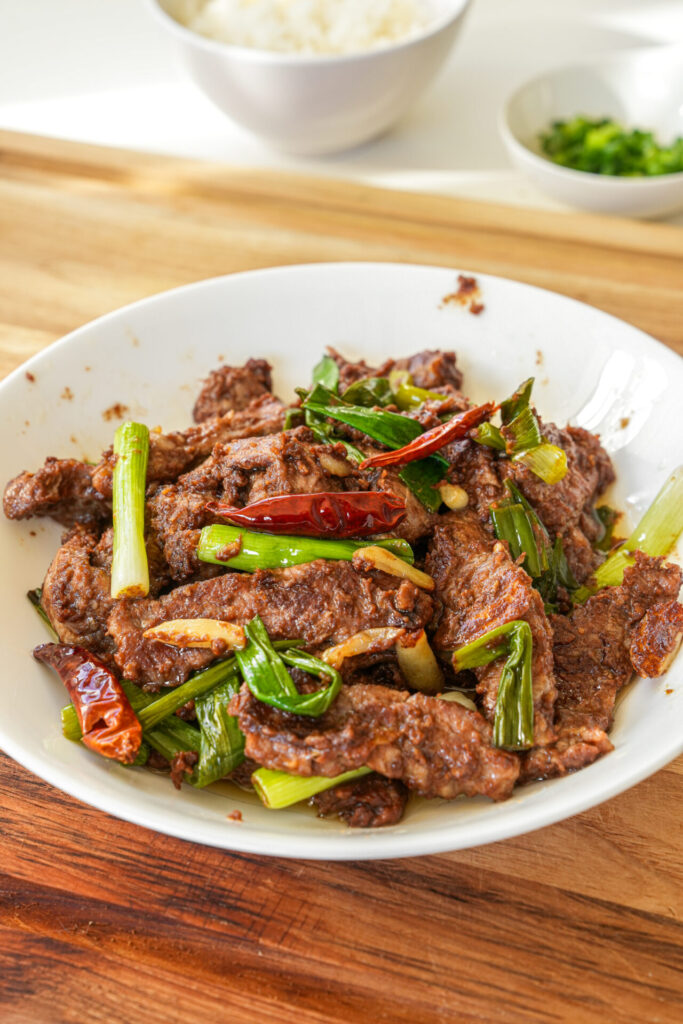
(546,461)
(511,523)
(266,675)
(389,428)
(513,726)
(222,742)
(278,789)
(490,435)
(268,551)
(129,569)
(655,535)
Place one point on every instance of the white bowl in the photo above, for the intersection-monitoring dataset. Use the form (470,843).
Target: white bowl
(597,371)
(642,88)
(316,104)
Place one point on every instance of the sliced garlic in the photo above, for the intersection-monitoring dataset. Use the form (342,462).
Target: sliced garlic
(209,633)
(387,561)
(418,663)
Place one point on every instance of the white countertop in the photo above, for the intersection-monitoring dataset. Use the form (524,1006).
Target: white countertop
(101,71)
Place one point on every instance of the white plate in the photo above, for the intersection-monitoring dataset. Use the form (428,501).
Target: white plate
(151,356)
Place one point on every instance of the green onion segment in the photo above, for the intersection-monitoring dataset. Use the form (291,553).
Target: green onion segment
(268,551)
(129,569)
(278,789)
(513,726)
(655,535)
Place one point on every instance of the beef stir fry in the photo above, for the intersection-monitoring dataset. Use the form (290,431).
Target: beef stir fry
(379,590)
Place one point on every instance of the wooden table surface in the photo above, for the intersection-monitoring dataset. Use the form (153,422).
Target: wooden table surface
(102,922)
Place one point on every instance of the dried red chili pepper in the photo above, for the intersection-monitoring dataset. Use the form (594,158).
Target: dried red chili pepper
(107,720)
(326,514)
(430,442)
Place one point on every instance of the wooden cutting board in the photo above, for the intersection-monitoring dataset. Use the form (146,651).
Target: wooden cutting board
(104,922)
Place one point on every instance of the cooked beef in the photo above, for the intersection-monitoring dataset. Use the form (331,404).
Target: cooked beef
(418,520)
(76,594)
(238,473)
(62,489)
(176,453)
(565,507)
(481,588)
(596,649)
(183,764)
(320,602)
(232,388)
(433,370)
(436,748)
(159,577)
(474,467)
(372,801)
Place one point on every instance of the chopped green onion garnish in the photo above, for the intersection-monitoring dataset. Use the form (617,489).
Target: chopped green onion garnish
(511,523)
(129,569)
(278,789)
(606,518)
(513,726)
(268,551)
(655,535)
(517,402)
(266,675)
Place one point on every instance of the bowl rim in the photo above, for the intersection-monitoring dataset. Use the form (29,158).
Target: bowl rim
(294,59)
(512,140)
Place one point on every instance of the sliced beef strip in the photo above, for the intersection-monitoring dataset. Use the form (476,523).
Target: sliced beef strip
(320,602)
(372,801)
(418,521)
(62,489)
(635,626)
(159,577)
(480,588)
(176,453)
(436,748)
(76,594)
(431,369)
(238,473)
(474,467)
(232,388)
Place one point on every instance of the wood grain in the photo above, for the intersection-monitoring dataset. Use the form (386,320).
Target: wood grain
(102,922)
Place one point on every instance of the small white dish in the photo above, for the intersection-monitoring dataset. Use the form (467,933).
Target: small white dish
(596,370)
(643,88)
(315,105)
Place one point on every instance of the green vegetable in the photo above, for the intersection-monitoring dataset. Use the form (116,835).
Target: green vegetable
(421,478)
(326,372)
(129,569)
(369,392)
(278,789)
(266,675)
(36,600)
(513,726)
(268,551)
(520,437)
(655,535)
(222,742)
(603,146)
(515,521)
(391,429)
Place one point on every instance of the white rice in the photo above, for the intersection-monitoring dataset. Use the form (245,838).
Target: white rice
(304,26)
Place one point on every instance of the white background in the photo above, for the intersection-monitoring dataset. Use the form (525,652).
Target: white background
(102,71)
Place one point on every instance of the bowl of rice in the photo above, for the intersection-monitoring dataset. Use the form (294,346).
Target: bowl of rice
(312,76)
